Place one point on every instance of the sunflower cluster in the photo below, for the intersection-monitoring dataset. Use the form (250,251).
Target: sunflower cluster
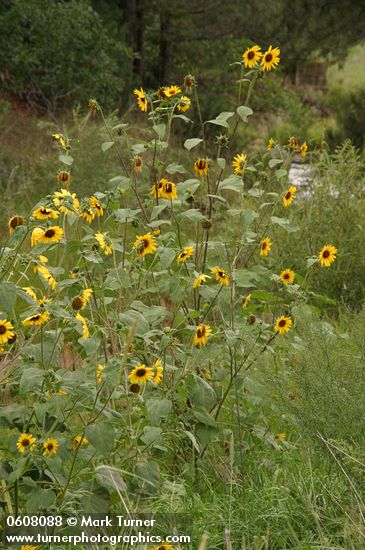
(253,57)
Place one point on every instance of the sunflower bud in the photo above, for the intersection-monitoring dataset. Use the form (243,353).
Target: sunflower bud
(251,319)
(135,388)
(207,224)
(222,140)
(189,82)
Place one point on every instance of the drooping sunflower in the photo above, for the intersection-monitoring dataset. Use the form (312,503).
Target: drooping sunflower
(202,333)
(141,374)
(201,278)
(96,206)
(99,375)
(51,235)
(104,243)
(289,195)
(327,255)
(201,167)
(137,164)
(6,331)
(26,441)
(145,244)
(167,190)
(85,328)
(270,59)
(170,91)
(64,177)
(93,106)
(293,142)
(185,254)
(158,371)
(66,202)
(239,163)
(303,149)
(189,82)
(220,275)
(287,276)
(283,324)
(14,222)
(88,214)
(184,103)
(270,144)
(79,441)
(80,302)
(246,300)
(44,213)
(265,246)
(47,276)
(251,56)
(50,447)
(30,293)
(36,319)
(156,188)
(141,99)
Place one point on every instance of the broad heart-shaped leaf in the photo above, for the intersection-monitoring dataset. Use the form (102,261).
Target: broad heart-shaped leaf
(275,162)
(132,317)
(107,145)
(193,142)
(243,112)
(232,183)
(7,296)
(200,392)
(160,130)
(31,380)
(193,214)
(101,436)
(149,475)
(204,418)
(150,435)
(174,168)
(153,314)
(158,409)
(221,119)
(66,159)
(40,500)
(166,255)
(285,224)
(221,163)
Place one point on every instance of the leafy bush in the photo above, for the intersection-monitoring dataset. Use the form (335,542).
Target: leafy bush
(349,110)
(55,54)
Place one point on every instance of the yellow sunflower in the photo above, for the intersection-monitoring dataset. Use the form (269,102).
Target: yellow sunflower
(79,441)
(51,235)
(246,300)
(88,214)
(85,328)
(29,547)
(251,56)
(170,91)
(62,140)
(36,234)
(30,293)
(14,222)
(201,167)
(137,164)
(50,447)
(141,99)
(287,276)
(270,144)
(265,246)
(327,255)
(6,331)
(185,254)
(96,206)
(303,150)
(189,82)
(158,371)
(289,195)
(201,278)
(270,59)
(239,163)
(220,275)
(202,333)
(163,546)
(36,319)
(93,106)
(64,177)
(156,188)
(167,190)
(283,324)
(99,371)
(47,276)
(293,142)
(80,302)
(145,244)
(44,213)
(26,441)
(66,202)
(184,103)
(104,243)
(141,374)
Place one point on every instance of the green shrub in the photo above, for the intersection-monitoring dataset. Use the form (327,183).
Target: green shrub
(349,110)
(55,54)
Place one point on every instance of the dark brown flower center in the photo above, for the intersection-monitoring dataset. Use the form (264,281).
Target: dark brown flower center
(168,188)
(140,373)
(286,275)
(326,253)
(145,244)
(264,245)
(282,323)
(50,447)
(35,318)
(25,442)
(63,176)
(77,303)
(288,195)
(268,57)
(17,220)
(221,274)
(200,332)
(201,164)
(135,388)
(50,233)
(2,329)
(250,55)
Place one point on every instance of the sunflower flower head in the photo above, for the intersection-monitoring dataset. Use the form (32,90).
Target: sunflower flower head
(327,255)
(44,213)
(303,149)
(104,243)
(270,59)
(201,167)
(283,324)
(96,206)
(137,164)
(265,246)
(141,374)
(6,331)
(47,276)
(36,319)
(239,163)
(64,177)
(185,254)
(158,371)
(50,235)
(202,333)
(145,244)
(170,91)
(14,222)
(99,375)
(220,275)
(189,82)
(200,279)
(50,447)
(289,195)
(252,56)
(66,202)
(287,276)
(26,442)
(184,103)
(79,441)
(167,190)
(141,99)
(270,144)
